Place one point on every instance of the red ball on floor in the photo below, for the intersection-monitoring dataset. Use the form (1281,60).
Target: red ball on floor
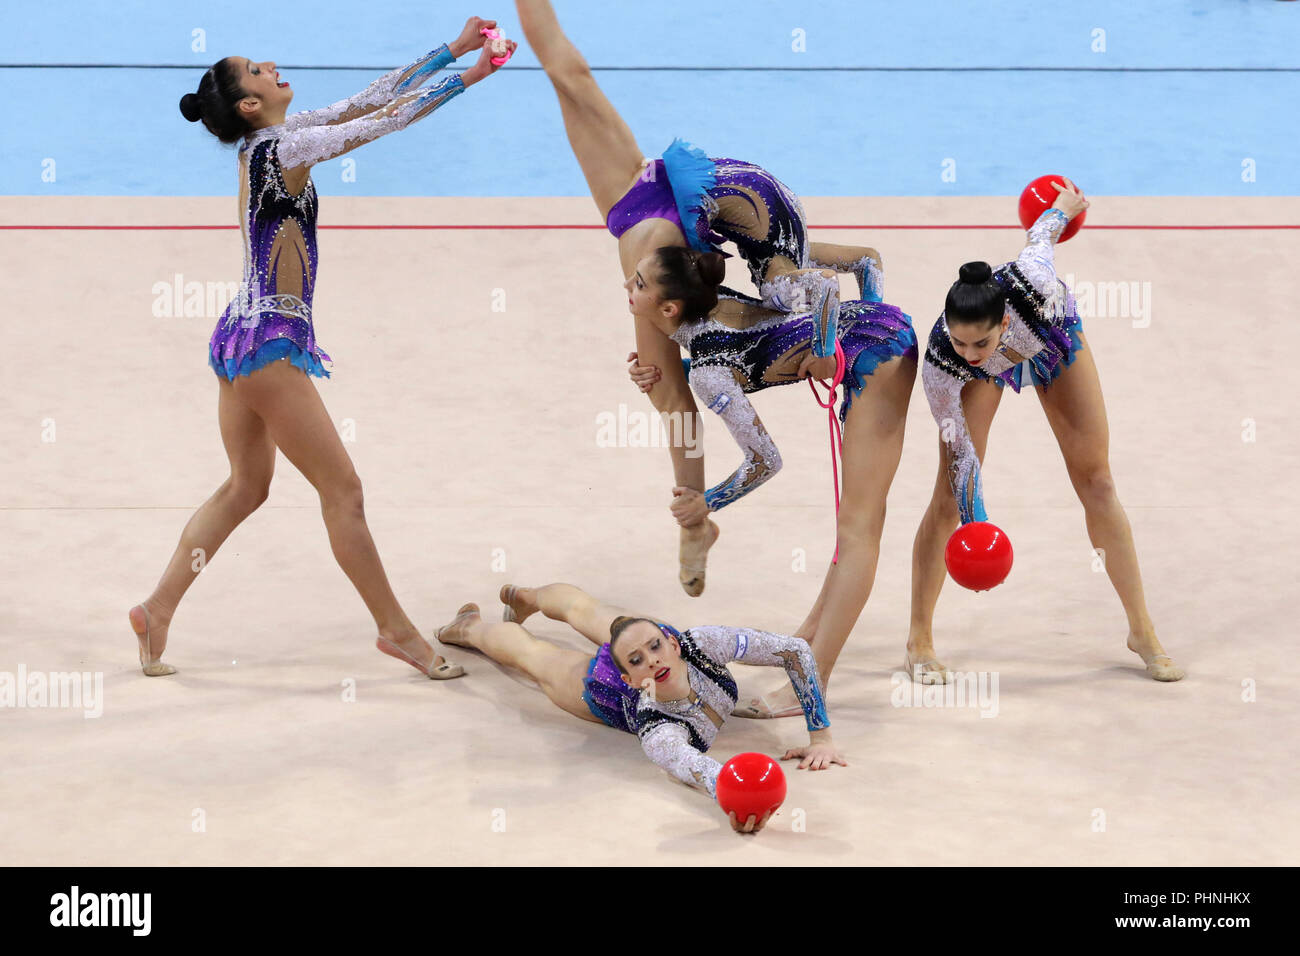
(750,784)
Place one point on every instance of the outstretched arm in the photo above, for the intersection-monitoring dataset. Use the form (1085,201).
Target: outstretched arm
(721,393)
(309,145)
(765,649)
(669,746)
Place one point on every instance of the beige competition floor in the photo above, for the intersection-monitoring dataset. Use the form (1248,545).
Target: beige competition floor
(476,438)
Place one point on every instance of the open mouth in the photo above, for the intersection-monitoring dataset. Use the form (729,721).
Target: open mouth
(661,675)
(278,83)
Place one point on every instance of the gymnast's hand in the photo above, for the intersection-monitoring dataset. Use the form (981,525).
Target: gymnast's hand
(688,507)
(821,368)
(751,825)
(484,67)
(471,38)
(1069,200)
(643,376)
(820,754)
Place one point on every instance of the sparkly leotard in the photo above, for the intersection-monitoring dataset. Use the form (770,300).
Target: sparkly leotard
(271,316)
(728,363)
(676,733)
(727,200)
(1042,336)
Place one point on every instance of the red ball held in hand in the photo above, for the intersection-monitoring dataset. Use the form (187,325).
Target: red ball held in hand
(1038,196)
(750,784)
(978,556)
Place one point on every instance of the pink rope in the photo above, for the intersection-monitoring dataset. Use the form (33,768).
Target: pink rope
(836,435)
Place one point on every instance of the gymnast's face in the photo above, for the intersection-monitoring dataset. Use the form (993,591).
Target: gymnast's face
(974,341)
(262,81)
(649,655)
(644,298)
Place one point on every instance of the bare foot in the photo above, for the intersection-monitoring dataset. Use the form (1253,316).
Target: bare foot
(410,647)
(692,555)
(520,603)
(457,632)
(781,702)
(1160,666)
(150,624)
(924,666)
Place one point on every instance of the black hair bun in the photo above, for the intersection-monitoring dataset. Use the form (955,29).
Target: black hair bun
(190,108)
(712,267)
(975,273)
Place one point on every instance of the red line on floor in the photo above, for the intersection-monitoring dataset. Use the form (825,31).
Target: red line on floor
(558,226)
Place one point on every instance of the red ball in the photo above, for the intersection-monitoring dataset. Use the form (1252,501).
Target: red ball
(750,784)
(978,555)
(1038,196)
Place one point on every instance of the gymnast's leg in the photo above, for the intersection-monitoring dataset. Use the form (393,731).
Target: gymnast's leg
(1077,413)
(558,671)
(252,463)
(602,142)
(286,399)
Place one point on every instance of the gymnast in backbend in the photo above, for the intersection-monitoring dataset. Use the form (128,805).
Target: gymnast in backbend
(661,212)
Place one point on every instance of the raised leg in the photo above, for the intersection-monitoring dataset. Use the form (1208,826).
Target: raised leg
(252,463)
(979,403)
(602,142)
(1077,413)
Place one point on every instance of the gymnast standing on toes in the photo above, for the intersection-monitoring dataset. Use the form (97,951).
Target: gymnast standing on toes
(739,348)
(264,347)
(995,325)
(672,689)
(659,211)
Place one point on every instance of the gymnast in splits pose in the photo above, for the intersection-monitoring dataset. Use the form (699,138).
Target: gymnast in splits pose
(671,688)
(660,212)
(996,326)
(264,347)
(740,348)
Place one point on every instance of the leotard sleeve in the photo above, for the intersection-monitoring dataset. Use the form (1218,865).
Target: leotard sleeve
(669,746)
(315,144)
(718,389)
(1037,259)
(943,384)
(404,79)
(808,291)
(750,646)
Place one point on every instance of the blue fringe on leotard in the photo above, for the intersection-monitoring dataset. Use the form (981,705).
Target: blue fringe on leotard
(691,174)
(269,352)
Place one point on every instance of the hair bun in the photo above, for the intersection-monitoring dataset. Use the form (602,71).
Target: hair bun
(190,108)
(975,273)
(712,267)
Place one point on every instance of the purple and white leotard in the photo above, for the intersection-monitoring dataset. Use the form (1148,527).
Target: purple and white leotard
(271,316)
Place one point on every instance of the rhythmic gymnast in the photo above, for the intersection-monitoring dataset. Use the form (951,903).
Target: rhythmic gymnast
(672,689)
(264,347)
(659,211)
(995,326)
(740,348)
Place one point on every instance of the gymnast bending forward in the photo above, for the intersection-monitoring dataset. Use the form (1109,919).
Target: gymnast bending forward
(672,689)
(662,210)
(740,348)
(998,325)
(264,349)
